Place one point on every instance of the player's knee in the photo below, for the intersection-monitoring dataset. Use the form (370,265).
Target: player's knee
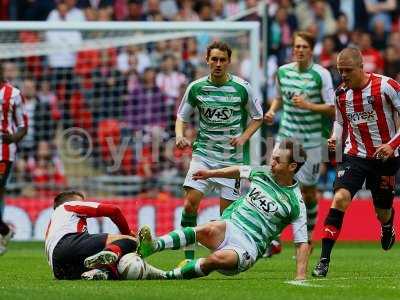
(206,232)
(342,199)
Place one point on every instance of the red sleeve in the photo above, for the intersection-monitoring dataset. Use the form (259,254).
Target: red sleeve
(102,210)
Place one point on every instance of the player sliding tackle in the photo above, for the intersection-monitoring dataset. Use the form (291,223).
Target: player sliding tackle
(247,226)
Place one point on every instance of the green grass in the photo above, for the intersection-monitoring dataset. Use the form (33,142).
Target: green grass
(358,271)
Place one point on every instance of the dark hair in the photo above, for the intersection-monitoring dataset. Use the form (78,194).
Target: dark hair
(297,153)
(66,196)
(220,46)
(307,36)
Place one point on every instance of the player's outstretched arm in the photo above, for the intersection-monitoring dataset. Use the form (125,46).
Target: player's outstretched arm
(269,116)
(228,172)
(181,140)
(94,209)
(302,253)
(246,135)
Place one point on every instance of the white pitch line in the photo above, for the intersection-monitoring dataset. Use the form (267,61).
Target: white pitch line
(311,282)
(302,283)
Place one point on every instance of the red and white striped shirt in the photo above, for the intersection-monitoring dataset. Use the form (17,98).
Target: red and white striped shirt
(367,116)
(70,217)
(12,116)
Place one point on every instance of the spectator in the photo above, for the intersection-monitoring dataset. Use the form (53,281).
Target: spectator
(392,63)
(146,106)
(218,9)
(62,63)
(46,95)
(91,8)
(318,13)
(204,10)
(27,145)
(109,87)
(41,126)
(47,114)
(46,170)
(342,35)
(355,12)
(327,59)
(135,11)
(153,10)
(250,4)
(281,35)
(191,59)
(169,80)
(186,11)
(168,9)
(379,11)
(328,53)
(379,35)
(33,10)
(143,60)
(233,7)
(372,59)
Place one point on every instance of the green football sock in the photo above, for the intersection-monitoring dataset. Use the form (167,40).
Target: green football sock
(177,239)
(189,220)
(190,270)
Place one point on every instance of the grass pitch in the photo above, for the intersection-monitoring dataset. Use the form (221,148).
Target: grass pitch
(358,271)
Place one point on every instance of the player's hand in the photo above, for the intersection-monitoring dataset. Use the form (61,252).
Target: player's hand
(269,117)
(331,144)
(300,102)
(182,142)
(7,138)
(201,175)
(384,152)
(238,141)
(133,234)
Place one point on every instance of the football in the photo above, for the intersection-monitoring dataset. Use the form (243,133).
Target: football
(131,266)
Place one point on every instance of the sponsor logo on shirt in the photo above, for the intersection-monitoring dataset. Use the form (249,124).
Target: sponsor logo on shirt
(216,114)
(258,199)
(362,117)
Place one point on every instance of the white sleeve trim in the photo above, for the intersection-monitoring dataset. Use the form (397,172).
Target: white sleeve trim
(185,111)
(300,234)
(245,171)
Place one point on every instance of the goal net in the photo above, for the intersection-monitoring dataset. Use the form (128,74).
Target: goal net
(101,99)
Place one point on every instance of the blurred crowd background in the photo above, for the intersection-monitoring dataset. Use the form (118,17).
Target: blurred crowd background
(131,93)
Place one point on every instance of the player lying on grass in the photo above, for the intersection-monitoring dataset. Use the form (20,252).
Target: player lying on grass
(71,250)
(247,226)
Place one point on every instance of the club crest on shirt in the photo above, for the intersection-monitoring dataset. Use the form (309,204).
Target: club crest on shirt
(370,99)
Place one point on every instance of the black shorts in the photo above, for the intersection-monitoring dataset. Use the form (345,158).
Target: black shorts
(352,172)
(71,251)
(5,168)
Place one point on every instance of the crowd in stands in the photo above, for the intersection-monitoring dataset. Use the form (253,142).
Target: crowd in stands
(131,93)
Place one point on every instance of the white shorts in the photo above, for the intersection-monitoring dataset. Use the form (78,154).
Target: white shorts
(245,248)
(229,188)
(309,173)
